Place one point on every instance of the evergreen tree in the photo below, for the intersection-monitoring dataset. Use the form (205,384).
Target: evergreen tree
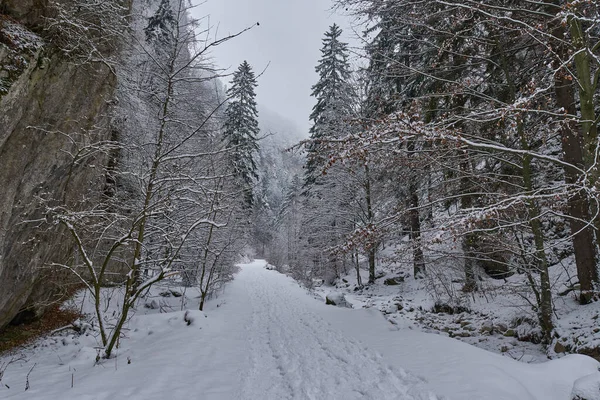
(384,75)
(241,127)
(325,224)
(161,24)
(335,98)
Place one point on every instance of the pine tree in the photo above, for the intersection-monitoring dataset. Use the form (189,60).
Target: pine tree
(241,127)
(161,24)
(326,205)
(335,98)
(384,77)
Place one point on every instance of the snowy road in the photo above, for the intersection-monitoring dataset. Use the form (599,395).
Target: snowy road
(295,354)
(266,338)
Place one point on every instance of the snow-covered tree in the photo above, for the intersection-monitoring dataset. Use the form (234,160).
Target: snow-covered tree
(241,127)
(326,203)
(335,97)
(506,154)
(161,24)
(169,205)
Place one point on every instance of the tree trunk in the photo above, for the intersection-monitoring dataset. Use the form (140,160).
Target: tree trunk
(415,232)
(468,247)
(544,295)
(202,299)
(587,85)
(545,298)
(372,266)
(578,203)
(370,218)
(469,240)
(357,266)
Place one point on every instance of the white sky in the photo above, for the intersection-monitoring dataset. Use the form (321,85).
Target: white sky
(289,37)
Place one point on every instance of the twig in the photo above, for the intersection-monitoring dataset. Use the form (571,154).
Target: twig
(4,366)
(64,328)
(27,378)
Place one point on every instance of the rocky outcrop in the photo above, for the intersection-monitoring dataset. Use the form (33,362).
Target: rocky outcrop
(49,107)
(337,299)
(27,12)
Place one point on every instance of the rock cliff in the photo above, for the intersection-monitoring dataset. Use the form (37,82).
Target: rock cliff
(49,107)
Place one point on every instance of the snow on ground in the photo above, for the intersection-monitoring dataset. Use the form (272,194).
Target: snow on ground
(489,322)
(267,338)
(461,371)
(498,317)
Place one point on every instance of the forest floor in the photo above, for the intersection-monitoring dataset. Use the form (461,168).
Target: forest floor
(494,324)
(268,338)
(499,317)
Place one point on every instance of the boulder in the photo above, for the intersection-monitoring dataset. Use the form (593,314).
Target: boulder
(337,299)
(171,292)
(379,274)
(487,327)
(559,348)
(444,308)
(393,281)
(152,304)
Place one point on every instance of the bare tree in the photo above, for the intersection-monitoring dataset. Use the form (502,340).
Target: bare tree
(152,203)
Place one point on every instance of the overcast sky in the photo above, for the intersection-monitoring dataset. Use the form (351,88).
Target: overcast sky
(289,37)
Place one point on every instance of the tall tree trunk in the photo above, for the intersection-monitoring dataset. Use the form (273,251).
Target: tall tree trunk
(371,266)
(587,85)
(541,261)
(415,231)
(370,219)
(544,294)
(469,240)
(357,266)
(578,203)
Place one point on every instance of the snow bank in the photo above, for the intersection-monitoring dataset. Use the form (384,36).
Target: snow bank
(587,387)
(459,370)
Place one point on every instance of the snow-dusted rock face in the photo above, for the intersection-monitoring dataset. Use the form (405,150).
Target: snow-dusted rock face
(27,12)
(42,96)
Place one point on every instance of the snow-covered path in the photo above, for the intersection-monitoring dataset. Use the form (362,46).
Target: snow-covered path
(267,338)
(295,354)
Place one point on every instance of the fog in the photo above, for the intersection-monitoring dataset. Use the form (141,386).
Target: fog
(284,47)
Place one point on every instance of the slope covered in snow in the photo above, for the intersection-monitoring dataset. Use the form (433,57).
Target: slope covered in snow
(267,338)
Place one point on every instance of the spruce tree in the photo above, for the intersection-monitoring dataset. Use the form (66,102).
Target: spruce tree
(383,78)
(161,24)
(325,223)
(335,98)
(241,127)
